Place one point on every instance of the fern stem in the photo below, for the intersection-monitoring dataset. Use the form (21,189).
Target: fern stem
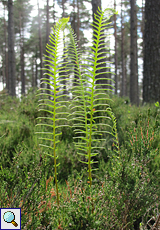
(55,173)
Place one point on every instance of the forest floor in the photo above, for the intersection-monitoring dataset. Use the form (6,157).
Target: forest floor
(125,191)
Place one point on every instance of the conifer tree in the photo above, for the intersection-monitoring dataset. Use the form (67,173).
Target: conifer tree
(151,77)
(11,53)
(134,96)
(21,19)
(115,47)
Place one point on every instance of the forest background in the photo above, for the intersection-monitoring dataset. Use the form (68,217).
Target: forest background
(32,25)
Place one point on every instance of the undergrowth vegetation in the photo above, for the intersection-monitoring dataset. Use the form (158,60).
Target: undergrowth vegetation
(124,187)
(100,169)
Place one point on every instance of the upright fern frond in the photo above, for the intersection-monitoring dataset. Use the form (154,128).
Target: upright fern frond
(86,105)
(52,106)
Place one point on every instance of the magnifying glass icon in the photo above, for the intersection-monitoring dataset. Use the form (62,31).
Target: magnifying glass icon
(9,217)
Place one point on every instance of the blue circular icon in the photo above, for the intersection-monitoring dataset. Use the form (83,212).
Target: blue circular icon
(9,217)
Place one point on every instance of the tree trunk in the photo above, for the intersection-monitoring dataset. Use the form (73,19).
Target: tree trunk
(142,23)
(36,73)
(40,46)
(47,41)
(47,24)
(33,75)
(3,68)
(11,53)
(134,97)
(22,57)
(5,53)
(115,48)
(78,23)
(74,26)
(151,74)
(22,71)
(123,88)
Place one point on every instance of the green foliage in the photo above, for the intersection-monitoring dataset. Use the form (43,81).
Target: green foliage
(133,173)
(157,104)
(27,180)
(85,98)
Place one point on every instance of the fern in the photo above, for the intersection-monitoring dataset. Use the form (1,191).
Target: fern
(55,67)
(87,99)
(86,128)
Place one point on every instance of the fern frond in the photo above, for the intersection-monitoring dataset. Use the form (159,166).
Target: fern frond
(86,99)
(54,66)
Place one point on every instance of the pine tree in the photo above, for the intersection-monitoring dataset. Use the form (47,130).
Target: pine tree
(21,19)
(151,78)
(47,37)
(115,47)
(123,87)
(40,44)
(134,97)
(11,52)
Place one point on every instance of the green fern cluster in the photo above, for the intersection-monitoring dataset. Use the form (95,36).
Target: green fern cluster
(86,93)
